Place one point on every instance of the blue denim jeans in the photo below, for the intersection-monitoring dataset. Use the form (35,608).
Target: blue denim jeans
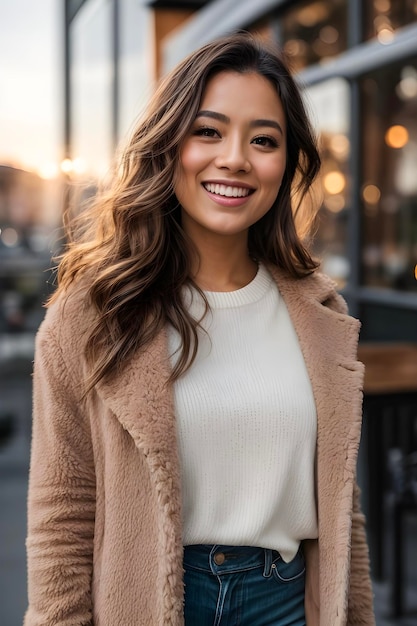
(242,586)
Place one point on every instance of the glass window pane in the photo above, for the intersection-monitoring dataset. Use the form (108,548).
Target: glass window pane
(384,323)
(313,32)
(135,62)
(91,81)
(389,186)
(383,17)
(329,106)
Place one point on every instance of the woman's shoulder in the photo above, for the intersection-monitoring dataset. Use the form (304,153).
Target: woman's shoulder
(69,316)
(315,286)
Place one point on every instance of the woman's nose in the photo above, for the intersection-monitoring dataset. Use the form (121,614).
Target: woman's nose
(233,156)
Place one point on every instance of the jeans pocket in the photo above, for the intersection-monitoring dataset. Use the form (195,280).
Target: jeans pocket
(289,572)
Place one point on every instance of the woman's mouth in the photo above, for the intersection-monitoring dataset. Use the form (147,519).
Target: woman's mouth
(228,191)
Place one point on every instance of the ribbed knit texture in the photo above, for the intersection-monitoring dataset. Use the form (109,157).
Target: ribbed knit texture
(246,423)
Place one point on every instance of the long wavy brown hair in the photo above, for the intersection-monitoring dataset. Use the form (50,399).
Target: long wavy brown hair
(129,244)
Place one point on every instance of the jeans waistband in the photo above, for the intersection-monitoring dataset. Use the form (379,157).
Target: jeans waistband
(220,559)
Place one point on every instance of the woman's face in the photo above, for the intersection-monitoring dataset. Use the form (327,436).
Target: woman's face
(233,159)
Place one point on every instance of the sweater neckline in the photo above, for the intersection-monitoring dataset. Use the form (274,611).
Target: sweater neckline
(250,293)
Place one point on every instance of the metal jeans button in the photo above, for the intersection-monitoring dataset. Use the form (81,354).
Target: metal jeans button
(219,558)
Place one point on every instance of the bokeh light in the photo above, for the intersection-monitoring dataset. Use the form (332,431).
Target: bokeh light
(66,166)
(334,182)
(340,146)
(335,203)
(9,237)
(396,136)
(371,194)
(385,35)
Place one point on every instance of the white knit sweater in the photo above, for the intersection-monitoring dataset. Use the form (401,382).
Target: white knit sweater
(246,423)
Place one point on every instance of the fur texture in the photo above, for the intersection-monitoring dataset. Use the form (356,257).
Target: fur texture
(104,537)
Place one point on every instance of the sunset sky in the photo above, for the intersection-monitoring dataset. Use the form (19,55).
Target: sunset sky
(31,37)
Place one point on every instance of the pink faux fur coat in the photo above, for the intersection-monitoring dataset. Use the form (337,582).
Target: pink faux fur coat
(104,537)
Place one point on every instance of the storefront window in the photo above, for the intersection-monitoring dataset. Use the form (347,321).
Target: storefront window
(329,106)
(91,83)
(383,17)
(389,186)
(313,32)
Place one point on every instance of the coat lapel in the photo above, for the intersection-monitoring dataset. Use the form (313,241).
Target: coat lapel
(142,401)
(328,340)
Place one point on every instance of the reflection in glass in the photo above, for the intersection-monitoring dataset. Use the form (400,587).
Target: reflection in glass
(313,32)
(329,106)
(389,186)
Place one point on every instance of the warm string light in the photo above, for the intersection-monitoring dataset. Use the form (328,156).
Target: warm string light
(334,182)
(382,23)
(396,136)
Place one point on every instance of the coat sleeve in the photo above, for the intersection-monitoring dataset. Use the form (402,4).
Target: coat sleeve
(360,606)
(61,498)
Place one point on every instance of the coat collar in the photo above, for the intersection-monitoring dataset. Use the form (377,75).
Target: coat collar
(319,316)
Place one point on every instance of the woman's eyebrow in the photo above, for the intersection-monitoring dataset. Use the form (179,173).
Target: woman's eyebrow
(269,123)
(226,120)
(214,115)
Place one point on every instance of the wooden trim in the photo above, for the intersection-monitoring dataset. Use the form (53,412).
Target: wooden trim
(165,22)
(389,367)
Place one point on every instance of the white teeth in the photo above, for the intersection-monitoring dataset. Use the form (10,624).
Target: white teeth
(227,190)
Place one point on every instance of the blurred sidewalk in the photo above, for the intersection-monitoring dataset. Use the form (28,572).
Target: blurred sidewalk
(15,398)
(15,401)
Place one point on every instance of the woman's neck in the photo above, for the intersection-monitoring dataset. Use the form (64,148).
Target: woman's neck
(223,265)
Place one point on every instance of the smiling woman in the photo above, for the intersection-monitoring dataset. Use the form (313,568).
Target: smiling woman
(230,169)
(197,399)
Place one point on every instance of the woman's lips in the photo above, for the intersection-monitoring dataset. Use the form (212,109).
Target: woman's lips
(228,195)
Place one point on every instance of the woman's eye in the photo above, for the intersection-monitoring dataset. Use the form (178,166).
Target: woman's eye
(267,142)
(206,132)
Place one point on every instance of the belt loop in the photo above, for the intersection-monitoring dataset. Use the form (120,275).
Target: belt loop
(268,563)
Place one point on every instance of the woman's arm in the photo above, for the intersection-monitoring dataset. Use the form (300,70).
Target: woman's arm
(61,502)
